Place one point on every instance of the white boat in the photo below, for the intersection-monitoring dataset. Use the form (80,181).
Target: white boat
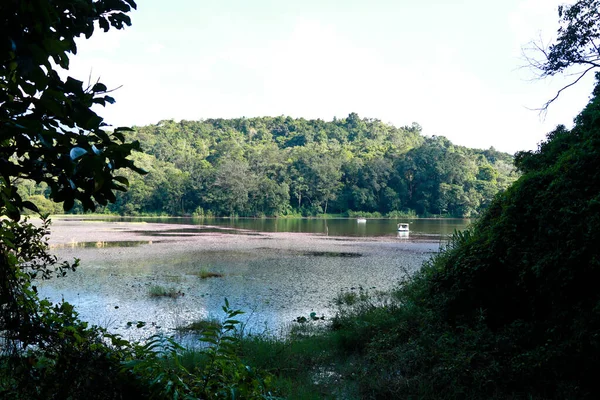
(402,227)
(361,220)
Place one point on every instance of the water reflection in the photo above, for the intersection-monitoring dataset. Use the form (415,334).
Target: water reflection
(100,244)
(403,235)
(346,227)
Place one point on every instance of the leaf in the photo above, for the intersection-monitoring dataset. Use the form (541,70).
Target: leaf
(132,4)
(77,152)
(139,170)
(73,85)
(99,87)
(30,205)
(103,22)
(122,180)
(28,88)
(68,204)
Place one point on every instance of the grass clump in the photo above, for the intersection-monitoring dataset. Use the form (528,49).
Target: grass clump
(200,326)
(161,291)
(205,274)
(351,297)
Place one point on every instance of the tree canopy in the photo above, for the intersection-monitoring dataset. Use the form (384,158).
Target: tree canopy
(48,131)
(49,135)
(274,166)
(576,48)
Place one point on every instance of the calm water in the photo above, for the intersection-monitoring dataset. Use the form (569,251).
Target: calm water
(348,227)
(273,283)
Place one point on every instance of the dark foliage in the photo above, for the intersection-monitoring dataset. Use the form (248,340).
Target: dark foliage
(511,308)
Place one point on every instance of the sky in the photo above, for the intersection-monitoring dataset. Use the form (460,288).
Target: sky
(454,67)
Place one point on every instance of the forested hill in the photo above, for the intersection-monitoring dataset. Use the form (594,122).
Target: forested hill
(281,166)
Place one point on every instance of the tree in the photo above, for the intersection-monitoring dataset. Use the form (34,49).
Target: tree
(233,182)
(49,134)
(316,174)
(577,44)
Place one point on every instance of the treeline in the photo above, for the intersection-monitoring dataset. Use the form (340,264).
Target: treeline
(284,166)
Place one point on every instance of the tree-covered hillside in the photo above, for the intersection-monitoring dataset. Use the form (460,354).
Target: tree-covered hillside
(281,166)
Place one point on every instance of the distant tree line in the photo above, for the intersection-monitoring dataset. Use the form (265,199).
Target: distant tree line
(284,166)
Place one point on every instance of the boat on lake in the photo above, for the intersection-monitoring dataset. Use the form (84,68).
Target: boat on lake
(361,220)
(403,227)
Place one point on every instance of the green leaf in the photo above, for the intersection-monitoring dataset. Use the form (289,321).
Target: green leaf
(77,152)
(122,179)
(30,205)
(99,87)
(103,22)
(73,85)
(68,204)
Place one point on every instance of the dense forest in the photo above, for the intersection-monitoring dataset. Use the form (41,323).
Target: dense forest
(284,166)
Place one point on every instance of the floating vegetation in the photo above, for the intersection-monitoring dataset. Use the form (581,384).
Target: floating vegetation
(100,244)
(200,326)
(137,324)
(204,273)
(331,254)
(312,317)
(160,291)
(196,231)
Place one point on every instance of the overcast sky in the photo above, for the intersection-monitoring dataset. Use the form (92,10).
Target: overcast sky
(452,66)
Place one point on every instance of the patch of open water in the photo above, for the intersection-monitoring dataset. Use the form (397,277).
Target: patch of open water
(274,285)
(101,244)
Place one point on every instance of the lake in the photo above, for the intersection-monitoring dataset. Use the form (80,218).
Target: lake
(431,229)
(274,270)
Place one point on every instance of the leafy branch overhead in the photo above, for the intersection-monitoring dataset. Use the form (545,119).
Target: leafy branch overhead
(48,131)
(577,45)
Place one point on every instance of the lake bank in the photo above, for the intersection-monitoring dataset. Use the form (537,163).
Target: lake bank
(274,276)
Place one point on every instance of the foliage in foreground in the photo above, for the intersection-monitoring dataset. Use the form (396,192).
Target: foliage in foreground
(49,135)
(512,306)
(77,361)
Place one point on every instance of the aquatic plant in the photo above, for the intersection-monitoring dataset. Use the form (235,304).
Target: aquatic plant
(200,326)
(213,371)
(161,291)
(205,274)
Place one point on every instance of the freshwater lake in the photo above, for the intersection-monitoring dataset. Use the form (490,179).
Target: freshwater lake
(432,229)
(274,269)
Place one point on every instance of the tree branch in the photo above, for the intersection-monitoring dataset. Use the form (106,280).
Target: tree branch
(544,108)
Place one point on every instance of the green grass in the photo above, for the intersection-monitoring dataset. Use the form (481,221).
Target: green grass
(205,274)
(351,297)
(200,326)
(323,361)
(161,291)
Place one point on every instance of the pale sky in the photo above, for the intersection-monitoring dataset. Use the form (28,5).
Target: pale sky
(452,66)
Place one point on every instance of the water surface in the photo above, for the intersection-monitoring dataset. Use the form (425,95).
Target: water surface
(276,273)
(347,227)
